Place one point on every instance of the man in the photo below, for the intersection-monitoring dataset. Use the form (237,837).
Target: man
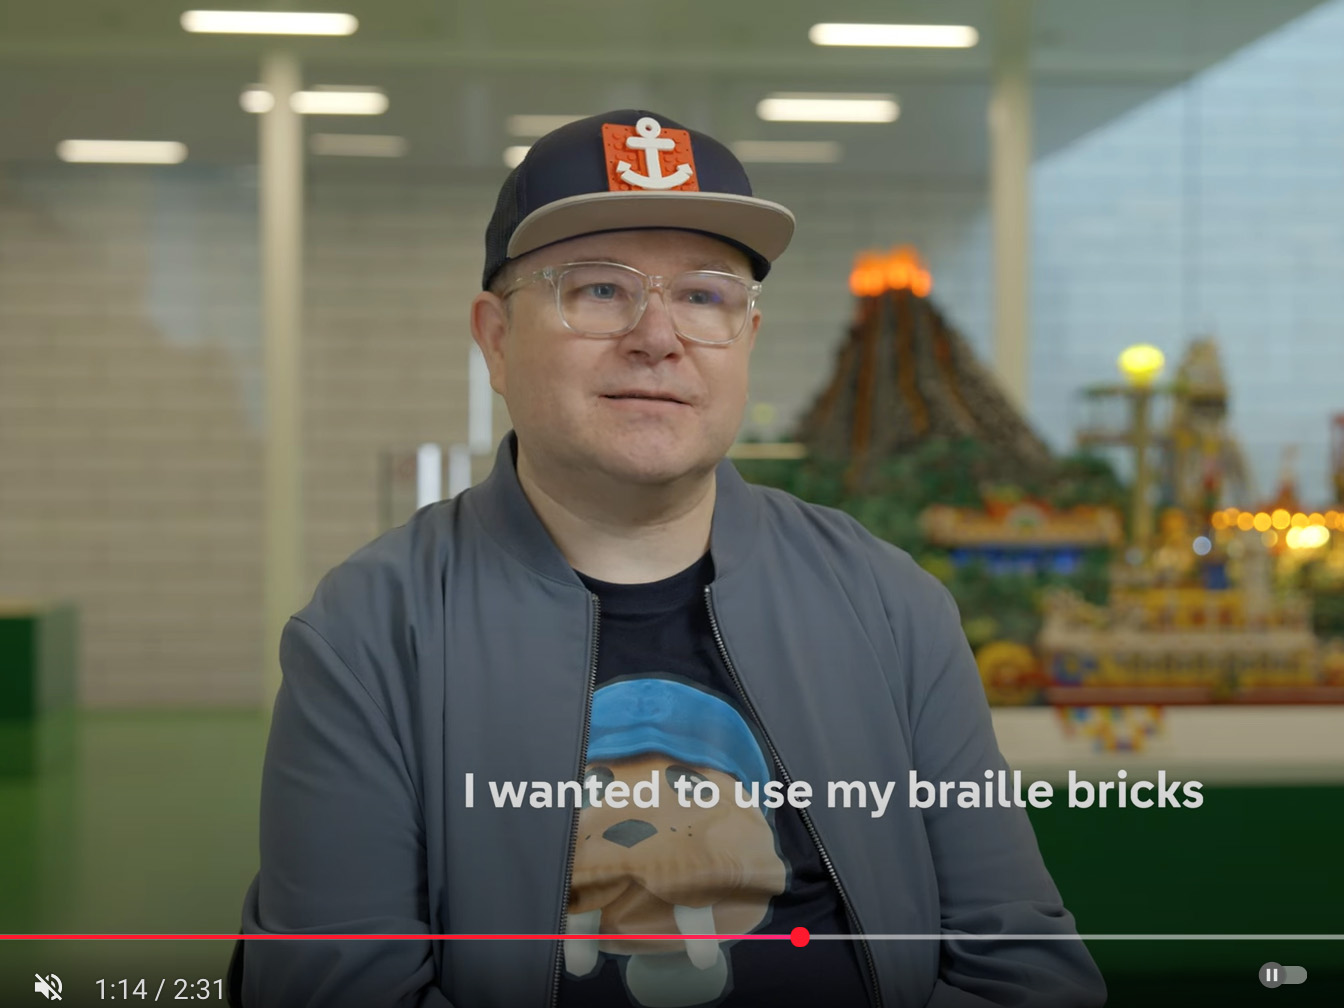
(616,620)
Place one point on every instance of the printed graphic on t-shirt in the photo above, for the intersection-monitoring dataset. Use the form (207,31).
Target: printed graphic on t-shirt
(670,869)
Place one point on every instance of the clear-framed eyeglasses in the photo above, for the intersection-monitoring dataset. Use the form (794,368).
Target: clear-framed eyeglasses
(605,299)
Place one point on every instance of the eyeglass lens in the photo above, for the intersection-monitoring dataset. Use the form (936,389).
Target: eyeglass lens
(605,300)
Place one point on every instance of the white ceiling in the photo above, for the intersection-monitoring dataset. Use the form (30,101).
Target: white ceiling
(454,71)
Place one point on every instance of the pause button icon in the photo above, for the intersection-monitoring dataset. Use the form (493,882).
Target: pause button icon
(1273,975)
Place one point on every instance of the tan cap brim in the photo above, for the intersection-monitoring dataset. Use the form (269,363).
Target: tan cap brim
(760,225)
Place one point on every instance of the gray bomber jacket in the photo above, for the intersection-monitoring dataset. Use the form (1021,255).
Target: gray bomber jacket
(462,642)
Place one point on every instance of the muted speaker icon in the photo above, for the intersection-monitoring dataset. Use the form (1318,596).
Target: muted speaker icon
(48,986)
(1273,975)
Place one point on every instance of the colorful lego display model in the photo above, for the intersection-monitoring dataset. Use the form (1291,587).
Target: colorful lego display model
(1113,729)
(1074,590)
(1182,646)
(914,437)
(904,376)
(1190,457)
(1229,606)
(1021,536)
(1204,462)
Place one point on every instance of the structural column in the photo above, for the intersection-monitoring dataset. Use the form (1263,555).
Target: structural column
(281,143)
(1010,126)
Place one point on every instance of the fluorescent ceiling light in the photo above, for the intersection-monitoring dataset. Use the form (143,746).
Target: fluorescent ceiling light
(538,125)
(788,151)
(357,145)
(339,101)
(122,151)
(231,22)
(919,36)
(513,156)
(322,100)
(800,107)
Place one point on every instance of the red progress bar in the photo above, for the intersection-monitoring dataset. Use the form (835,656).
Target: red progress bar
(795,937)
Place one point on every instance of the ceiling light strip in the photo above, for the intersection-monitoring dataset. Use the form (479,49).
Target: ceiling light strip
(234,22)
(320,101)
(804,107)
(334,102)
(122,151)
(913,36)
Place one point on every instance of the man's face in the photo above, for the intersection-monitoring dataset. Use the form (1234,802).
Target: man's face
(575,400)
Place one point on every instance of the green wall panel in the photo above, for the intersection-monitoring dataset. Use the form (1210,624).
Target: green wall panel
(1250,860)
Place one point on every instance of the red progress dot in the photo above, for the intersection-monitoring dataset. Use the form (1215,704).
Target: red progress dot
(800,936)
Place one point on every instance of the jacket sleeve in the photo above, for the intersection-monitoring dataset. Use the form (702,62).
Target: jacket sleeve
(991,879)
(342,848)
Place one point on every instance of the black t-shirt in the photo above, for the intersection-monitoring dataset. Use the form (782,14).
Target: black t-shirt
(666,710)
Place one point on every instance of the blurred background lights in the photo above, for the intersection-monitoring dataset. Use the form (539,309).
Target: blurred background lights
(122,151)
(1307,537)
(235,22)
(1279,518)
(918,36)
(1202,546)
(339,101)
(813,107)
(320,100)
(1141,363)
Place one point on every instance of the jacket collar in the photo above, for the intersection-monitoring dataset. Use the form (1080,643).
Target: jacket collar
(500,505)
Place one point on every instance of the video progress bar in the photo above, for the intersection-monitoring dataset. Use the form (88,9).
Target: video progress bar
(798,934)
(1080,937)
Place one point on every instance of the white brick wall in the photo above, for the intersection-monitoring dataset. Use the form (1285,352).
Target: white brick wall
(131,397)
(128,473)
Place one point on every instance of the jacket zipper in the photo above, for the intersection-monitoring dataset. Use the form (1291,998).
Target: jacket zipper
(574,816)
(850,914)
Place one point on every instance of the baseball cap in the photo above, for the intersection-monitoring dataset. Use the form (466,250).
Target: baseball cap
(631,169)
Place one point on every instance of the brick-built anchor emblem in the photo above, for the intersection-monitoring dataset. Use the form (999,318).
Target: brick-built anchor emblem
(651,140)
